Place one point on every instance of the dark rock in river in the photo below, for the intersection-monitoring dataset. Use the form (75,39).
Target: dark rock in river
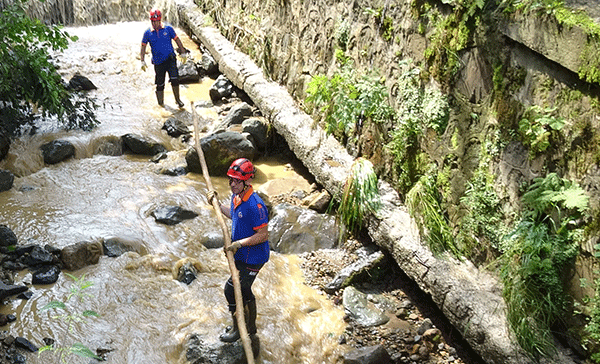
(7,290)
(220,149)
(6,180)
(171,215)
(46,275)
(137,144)
(57,151)
(7,237)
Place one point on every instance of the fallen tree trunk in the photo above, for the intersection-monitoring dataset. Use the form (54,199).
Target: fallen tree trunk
(471,299)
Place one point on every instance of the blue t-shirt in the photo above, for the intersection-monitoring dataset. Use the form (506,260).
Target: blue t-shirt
(160,43)
(248,214)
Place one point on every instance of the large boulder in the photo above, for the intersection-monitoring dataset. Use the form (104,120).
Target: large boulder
(7,236)
(81,254)
(188,71)
(6,180)
(80,83)
(236,115)
(220,149)
(57,151)
(294,229)
(138,144)
(221,89)
(259,129)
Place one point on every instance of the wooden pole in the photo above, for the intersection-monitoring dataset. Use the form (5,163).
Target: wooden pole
(235,276)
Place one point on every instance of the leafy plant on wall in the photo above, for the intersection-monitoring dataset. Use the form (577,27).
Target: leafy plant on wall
(535,256)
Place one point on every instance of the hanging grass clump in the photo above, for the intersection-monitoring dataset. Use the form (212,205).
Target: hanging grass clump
(360,196)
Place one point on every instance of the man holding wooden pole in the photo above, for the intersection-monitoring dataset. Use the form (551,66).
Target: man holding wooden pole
(250,244)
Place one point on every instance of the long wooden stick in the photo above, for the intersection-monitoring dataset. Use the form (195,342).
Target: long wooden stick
(235,275)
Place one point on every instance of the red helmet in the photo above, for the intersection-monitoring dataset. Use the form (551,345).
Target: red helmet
(155,14)
(242,169)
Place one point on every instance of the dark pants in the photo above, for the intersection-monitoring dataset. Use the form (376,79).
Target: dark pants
(170,66)
(248,273)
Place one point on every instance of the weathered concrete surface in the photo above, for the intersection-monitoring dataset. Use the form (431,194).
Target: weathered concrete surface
(471,299)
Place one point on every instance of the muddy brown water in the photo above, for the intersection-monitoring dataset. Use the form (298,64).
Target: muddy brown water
(145,314)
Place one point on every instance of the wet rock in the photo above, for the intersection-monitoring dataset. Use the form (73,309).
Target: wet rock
(57,151)
(368,355)
(16,358)
(7,290)
(220,149)
(221,89)
(137,144)
(360,310)
(38,256)
(346,276)
(114,247)
(81,254)
(25,295)
(80,83)
(175,127)
(187,273)
(201,351)
(46,275)
(7,236)
(213,240)
(172,215)
(158,157)
(238,113)
(4,143)
(23,343)
(258,128)
(294,229)
(176,171)
(6,180)
(188,71)
(110,145)
(209,65)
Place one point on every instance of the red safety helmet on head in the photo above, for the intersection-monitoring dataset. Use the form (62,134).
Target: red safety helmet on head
(155,14)
(242,169)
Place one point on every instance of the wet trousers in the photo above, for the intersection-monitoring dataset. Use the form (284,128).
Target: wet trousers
(248,273)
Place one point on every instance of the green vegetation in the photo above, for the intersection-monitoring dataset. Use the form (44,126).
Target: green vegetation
(360,196)
(77,290)
(424,203)
(592,329)
(386,28)
(451,33)
(421,109)
(535,257)
(536,128)
(346,100)
(479,230)
(30,83)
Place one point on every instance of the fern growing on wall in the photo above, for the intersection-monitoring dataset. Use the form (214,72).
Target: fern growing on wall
(536,254)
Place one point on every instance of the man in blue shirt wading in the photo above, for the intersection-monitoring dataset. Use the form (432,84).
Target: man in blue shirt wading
(163,55)
(249,240)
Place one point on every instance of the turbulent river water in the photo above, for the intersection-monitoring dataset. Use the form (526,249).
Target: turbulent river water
(145,314)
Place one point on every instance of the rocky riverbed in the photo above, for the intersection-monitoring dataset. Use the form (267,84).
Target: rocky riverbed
(415,332)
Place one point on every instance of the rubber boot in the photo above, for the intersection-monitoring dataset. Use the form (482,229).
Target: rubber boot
(251,320)
(160,97)
(233,334)
(176,94)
